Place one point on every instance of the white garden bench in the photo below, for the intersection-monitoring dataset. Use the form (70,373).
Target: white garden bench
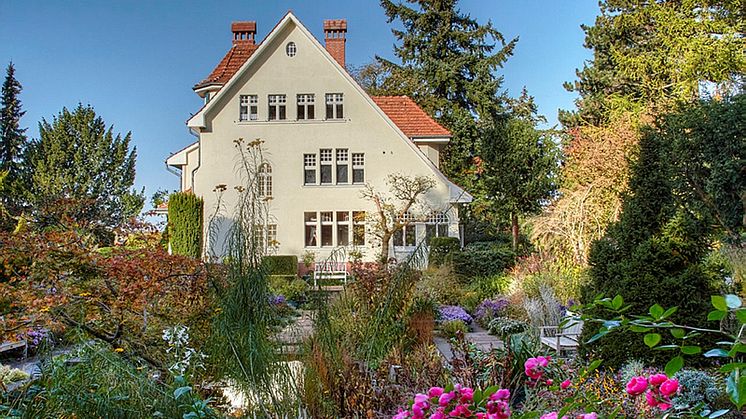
(562,338)
(329,270)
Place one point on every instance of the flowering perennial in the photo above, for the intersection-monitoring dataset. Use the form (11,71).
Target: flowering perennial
(460,402)
(658,389)
(450,313)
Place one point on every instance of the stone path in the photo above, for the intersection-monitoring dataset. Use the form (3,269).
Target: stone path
(478,336)
(291,337)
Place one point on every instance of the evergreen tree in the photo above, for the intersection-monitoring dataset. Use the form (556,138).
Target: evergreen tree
(685,194)
(448,64)
(517,167)
(654,53)
(78,159)
(12,141)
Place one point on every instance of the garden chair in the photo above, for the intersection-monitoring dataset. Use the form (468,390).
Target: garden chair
(565,336)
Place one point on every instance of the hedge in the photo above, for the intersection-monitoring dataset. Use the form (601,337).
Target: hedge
(185,224)
(483,259)
(282,264)
(442,250)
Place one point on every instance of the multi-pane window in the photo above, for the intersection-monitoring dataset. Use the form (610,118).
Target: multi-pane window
(276,107)
(310,219)
(327,226)
(334,106)
(436,226)
(325,158)
(343,228)
(248,108)
(306,106)
(358,228)
(406,236)
(330,228)
(265,180)
(358,168)
(342,165)
(272,235)
(309,169)
(334,167)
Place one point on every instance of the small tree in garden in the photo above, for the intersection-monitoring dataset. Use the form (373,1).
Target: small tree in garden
(185,215)
(393,208)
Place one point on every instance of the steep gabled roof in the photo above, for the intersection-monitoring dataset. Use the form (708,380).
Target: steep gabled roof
(229,65)
(409,117)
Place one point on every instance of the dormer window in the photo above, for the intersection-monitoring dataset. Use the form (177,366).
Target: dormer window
(334,106)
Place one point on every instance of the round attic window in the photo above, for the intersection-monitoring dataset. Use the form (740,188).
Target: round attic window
(290,49)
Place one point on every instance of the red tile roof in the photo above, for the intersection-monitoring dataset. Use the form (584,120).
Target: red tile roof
(229,65)
(409,117)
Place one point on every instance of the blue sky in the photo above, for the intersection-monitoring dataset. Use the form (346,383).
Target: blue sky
(136,61)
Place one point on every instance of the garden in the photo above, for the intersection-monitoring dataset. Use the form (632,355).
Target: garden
(602,276)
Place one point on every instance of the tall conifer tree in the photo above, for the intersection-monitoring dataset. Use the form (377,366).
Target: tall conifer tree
(12,140)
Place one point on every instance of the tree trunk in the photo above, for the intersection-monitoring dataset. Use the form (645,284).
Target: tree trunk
(385,240)
(514,230)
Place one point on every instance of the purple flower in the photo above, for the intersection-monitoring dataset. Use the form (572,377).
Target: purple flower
(450,313)
(277,300)
(489,309)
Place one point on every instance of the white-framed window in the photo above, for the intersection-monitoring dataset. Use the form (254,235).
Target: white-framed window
(311,225)
(358,168)
(343,228)
(325,166)
(248,108)
(329,228)
(334,106)
(276,106)
(358,228)
(309,169)
(406,236)
(265,180)
(272,235)
(436,226)
(343,166)
(291,49)
(306,105)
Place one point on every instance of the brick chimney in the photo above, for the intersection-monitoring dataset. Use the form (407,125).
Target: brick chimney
(335,31)
(244,32)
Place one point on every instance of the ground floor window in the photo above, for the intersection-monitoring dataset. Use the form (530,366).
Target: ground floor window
(436,226)
(334,228)
(407,235)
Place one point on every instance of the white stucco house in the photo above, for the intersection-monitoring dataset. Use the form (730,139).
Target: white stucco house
(324,137)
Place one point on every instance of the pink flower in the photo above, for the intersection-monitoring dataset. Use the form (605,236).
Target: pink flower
(502,394)
(669,387)
(402,414)
(481,416)
(438,415)
(417,412)
(551,415)
(549,382)
(467,394)
(531,367)
(591,415)
(461,410)
(637,386)
(422,400)
(657,379)
(435,391)
(565,384)
(651,398)
(664,406)
(503,410)
(446,398)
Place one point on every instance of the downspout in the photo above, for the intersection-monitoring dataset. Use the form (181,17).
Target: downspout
(199,155)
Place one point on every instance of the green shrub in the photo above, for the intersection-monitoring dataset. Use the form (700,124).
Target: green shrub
(441,285)
(483,259)
(451,328)
(282,264)
(185,224)
(490,286)
(505,327)
(697,387)
(293,288)
(442,250)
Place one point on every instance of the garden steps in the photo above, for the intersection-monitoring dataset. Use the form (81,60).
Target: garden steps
(478,337)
